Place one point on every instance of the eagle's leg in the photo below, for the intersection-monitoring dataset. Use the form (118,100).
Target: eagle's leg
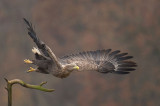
(27,61)
(31,69)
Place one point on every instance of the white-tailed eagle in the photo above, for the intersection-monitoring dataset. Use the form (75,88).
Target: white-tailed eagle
(103,61)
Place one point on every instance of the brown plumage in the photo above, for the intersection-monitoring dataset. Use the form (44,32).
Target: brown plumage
(103,61)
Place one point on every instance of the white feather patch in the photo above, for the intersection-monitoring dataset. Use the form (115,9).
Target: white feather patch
(36,50)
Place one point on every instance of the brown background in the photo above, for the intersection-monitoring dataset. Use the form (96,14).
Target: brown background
(76,25)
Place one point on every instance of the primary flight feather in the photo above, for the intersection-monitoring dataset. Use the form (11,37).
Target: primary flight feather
(103,61)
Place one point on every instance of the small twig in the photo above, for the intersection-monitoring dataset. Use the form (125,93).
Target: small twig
(18,81)
(43,83)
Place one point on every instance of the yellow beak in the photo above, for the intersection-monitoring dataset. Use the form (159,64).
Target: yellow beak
(76,67)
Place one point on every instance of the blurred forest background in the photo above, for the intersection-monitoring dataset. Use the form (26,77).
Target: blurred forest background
(70,26)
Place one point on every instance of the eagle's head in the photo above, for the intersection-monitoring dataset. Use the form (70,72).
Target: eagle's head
(70,67)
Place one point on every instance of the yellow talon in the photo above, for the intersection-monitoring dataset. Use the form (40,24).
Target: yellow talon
(31,69)
(28,61)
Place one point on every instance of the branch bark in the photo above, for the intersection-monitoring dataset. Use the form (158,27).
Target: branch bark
(22,83)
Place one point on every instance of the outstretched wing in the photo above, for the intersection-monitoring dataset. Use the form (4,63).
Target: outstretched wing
(103,61)
(46,51)
(41,45)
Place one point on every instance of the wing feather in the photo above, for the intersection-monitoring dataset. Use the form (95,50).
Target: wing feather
(103,61)
(41,45)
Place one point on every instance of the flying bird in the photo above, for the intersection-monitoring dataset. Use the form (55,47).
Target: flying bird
(103,61)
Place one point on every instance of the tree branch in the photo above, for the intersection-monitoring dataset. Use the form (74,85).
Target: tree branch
(18,81)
